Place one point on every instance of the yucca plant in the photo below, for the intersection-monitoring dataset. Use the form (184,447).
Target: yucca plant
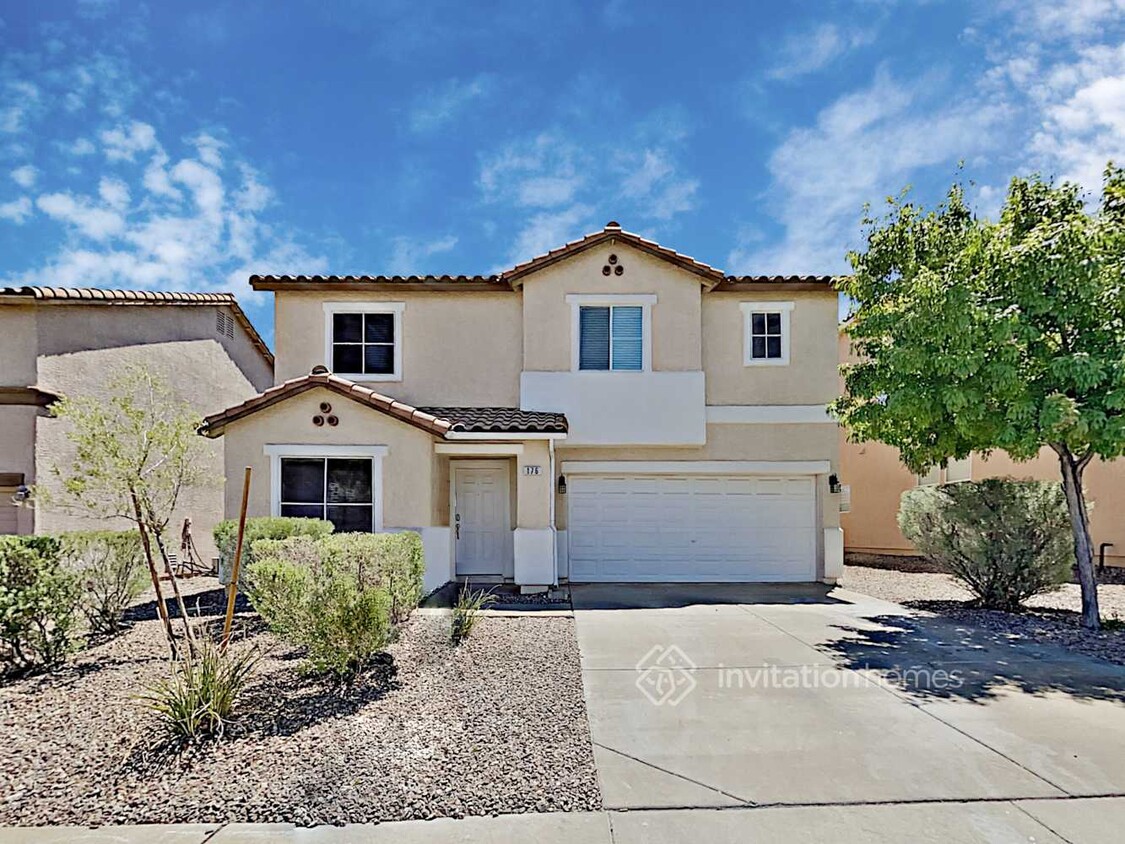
(196,702)
(465,612)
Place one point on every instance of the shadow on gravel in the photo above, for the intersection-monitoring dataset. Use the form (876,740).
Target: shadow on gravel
(940,658)
(201,604)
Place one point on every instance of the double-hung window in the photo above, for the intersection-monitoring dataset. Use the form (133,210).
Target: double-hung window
(611,334)
(364,341)
(611,337)
(766,333)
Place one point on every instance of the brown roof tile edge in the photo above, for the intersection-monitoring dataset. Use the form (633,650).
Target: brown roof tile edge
(214,424)
(101,296)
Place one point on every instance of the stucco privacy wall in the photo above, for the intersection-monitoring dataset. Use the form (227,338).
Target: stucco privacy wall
(810,378)
(19,342)
(458,348)
(408,469)
(201,375)
(675,316)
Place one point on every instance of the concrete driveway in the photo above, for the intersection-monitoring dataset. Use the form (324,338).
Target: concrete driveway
(841,707)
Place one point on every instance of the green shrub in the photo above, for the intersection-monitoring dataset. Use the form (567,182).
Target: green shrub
(198,699)
(112,570)
(1005,540)
(465,613)
(326,595)
(257,529)
(39,601)
(394,561)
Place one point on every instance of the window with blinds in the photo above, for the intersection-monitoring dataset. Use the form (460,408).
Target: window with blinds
(611,337)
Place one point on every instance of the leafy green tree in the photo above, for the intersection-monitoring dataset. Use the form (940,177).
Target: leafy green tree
(135,453)
(974,335)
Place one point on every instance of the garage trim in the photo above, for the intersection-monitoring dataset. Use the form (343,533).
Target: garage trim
(698,467)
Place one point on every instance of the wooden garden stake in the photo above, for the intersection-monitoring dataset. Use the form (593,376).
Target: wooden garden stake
(232,587)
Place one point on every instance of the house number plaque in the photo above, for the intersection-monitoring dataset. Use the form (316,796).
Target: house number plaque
(532,470)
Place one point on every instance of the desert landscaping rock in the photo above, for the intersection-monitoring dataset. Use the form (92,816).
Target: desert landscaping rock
(1051,617)
(495,725)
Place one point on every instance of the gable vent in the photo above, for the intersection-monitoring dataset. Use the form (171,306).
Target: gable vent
(224,324)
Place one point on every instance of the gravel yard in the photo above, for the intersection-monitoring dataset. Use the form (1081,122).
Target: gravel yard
(1051,617)
(496,725)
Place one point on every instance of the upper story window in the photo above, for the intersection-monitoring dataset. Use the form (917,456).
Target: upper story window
(766,332)
(364,340)
(611,332)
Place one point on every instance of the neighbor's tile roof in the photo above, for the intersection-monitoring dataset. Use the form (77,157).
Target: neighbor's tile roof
(500,420)
(100,296)
(436,421)
(510,279)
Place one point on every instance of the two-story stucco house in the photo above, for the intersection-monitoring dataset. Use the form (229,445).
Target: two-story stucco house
(609,411)
(66,341)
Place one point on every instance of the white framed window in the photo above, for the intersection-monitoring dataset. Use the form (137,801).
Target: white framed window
(959,470)
(363,340)
(931,478)
(340,483)
(765,333)
(611,333)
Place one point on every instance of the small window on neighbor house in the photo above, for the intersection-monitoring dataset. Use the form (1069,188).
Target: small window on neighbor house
(611,337)
(363,343)
(959,470)
(337,489)
(767,332)
(931,477)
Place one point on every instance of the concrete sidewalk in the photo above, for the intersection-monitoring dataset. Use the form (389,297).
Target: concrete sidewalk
(1058,821)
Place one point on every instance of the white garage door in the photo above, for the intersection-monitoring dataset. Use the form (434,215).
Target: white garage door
(706,528)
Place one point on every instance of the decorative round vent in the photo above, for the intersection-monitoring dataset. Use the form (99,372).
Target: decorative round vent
(333,421)
(318,421)
(325,407)
(612,267)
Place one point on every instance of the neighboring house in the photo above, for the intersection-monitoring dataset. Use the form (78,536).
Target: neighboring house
(877,479)
(609,411)
(56,341)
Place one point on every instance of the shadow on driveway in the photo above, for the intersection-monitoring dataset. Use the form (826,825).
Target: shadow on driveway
(638,596)
(935,658)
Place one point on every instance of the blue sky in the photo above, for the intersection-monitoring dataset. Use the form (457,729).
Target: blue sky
(185,146)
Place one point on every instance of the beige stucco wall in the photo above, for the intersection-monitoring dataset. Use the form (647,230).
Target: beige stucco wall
(458,348)
(675,316)
(19,343)
(410,473)
(201,375)
(810,377)
(533,491)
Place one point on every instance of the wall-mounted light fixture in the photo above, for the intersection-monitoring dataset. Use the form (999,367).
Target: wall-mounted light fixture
(562,484)
(833,483)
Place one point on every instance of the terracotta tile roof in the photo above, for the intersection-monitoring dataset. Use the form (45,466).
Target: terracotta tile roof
(33,395)
(510,279)
(735,282)
(436,421)
(428,282)
(498,420)
(100,296)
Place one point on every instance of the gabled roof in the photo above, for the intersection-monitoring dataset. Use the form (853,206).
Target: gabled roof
(512,279)
(613,233)
(102,296)
(438,421)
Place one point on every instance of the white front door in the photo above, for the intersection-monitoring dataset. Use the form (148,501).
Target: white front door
(482,534)
(692,528)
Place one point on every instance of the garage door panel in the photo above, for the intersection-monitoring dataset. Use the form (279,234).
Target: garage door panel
(686,527)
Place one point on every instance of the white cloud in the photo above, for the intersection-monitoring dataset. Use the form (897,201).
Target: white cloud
(1059,19)
(865,145)
(16,211)
(124,142)
(650,180)
(441,105)
(812,50)
(114,192)
(82,146)
(24,176)
(90,220)
(408,254)
(549,230)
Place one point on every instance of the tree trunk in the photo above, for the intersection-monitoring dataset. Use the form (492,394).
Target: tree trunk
(176,591)
(155,575)
(1080,526)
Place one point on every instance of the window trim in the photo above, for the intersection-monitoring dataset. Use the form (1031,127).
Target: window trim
(765,307)
(376,453)
(396,308)
(608,300)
